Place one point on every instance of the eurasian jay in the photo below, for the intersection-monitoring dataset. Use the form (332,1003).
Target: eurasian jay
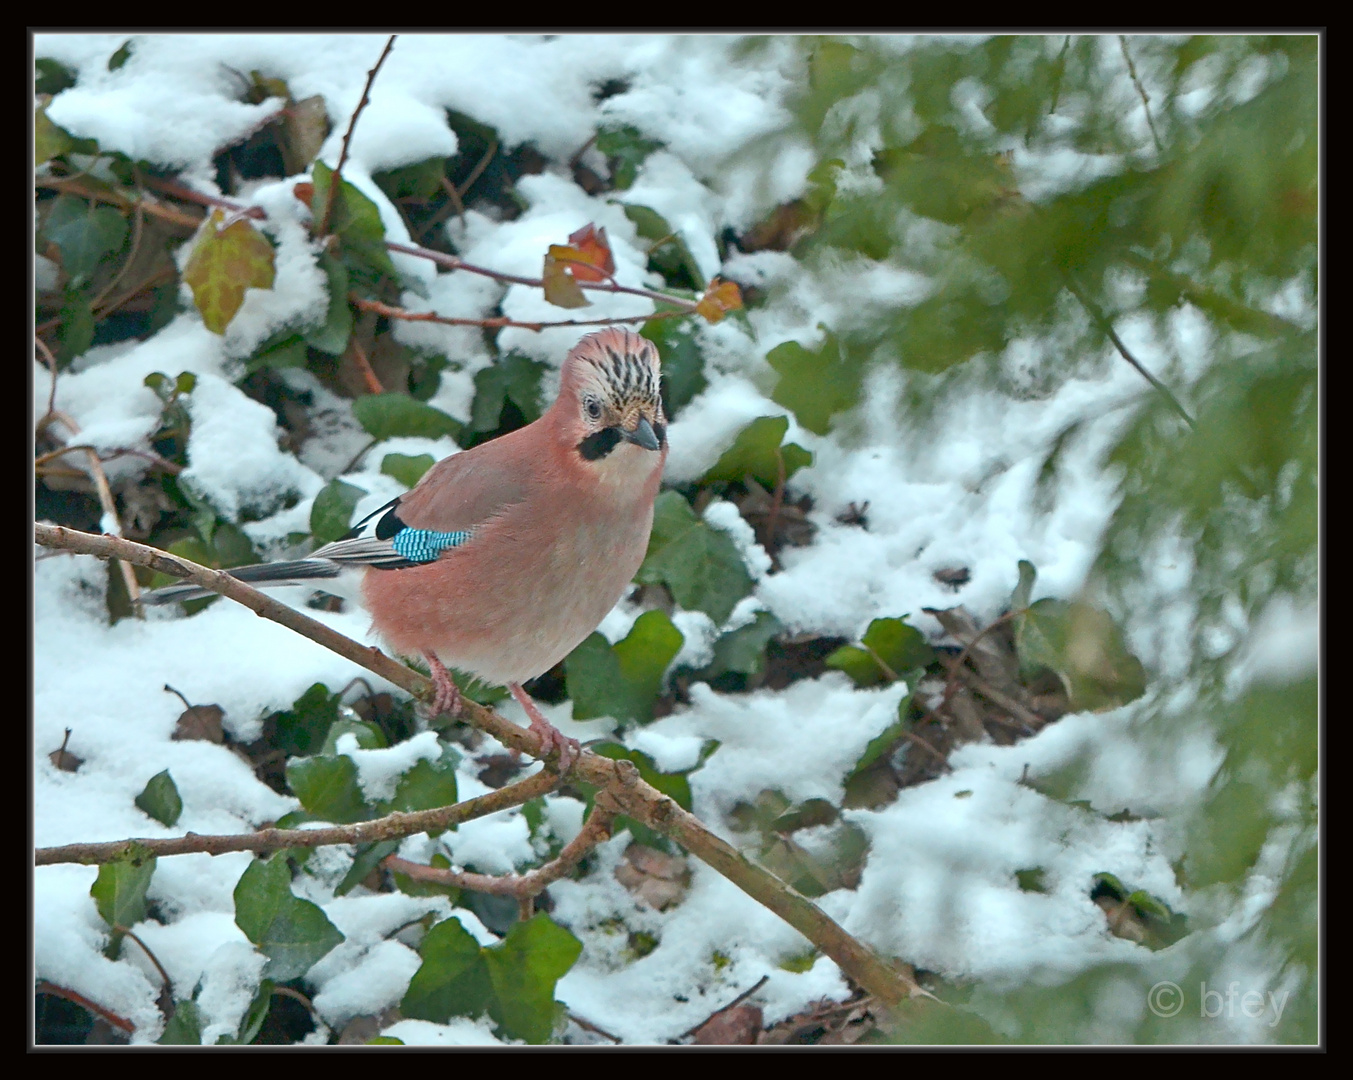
(505,556)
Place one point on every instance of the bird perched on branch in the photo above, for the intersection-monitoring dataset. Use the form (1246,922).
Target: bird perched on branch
(505,556)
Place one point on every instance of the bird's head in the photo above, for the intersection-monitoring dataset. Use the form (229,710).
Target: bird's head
(609,394)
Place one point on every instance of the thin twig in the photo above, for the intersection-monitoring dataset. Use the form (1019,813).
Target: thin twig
(952,683)
(1029,719)
(118,199)
(1141,91)
(732,1004)
(394,826)
(109,507)
(1106,325)
(138,227)
(520,886)
(51,363)
(119,1022)
(496,322)
(154,459)
(202,198)
(477,171)
(373,384)
(620,778)
(337,178)
(164,975)
(455,262)
(587,1025)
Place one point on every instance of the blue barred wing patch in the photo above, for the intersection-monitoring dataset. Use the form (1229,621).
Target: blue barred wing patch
(426,545)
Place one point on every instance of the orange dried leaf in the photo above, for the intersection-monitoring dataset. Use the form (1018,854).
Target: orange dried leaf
(224,263)
(720,298)
(305,191)
(594,261)
(561,289)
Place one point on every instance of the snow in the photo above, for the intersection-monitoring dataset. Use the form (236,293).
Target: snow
(939,888)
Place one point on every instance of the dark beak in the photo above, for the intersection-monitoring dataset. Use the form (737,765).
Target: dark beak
(643,435)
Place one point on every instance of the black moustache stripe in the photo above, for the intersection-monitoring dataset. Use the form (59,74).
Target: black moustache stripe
(600,443)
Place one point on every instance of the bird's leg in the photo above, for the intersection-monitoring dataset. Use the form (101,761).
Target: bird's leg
(447,700)
(551,738)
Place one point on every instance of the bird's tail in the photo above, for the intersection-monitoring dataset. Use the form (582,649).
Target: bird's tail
(296,572)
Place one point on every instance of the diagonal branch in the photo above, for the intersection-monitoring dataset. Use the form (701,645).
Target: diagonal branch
(620,779)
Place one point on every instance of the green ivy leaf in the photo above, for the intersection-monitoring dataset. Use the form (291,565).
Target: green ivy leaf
(427,785)
(121,56)
(85,233)
(669,255)
(884,740)
(331,514)
(224,264)
(357,221)
(366,858)
(332,335)
(369,736)
(514,378)
(421,180)
(385,416)
(701,565)
(757,452)
(453,979)
(512,981)
(625,149)
(160,799)
(303,728)
(408,469)
(77,325)
(889,643)
(622,681)
(328,788)
(49,140)
(184,1028)
(743,650)
(252,1021)
(292,933)
(119,892)
(814,385)
(683,364)
(1019,599)
(1085,648)
(52,76)
(290,351)
(523,970)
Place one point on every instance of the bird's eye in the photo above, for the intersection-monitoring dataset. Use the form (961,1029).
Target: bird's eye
(593,407)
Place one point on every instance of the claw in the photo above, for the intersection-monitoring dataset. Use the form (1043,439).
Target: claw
(447,699)
(551,738)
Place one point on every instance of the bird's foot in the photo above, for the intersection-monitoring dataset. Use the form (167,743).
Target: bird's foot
(447,699)
(551,738)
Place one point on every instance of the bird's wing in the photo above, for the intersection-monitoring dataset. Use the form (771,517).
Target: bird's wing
(454,499)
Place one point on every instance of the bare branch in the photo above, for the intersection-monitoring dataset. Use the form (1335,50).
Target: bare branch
(620,779)
(391,827)
(520,886)
(337,178)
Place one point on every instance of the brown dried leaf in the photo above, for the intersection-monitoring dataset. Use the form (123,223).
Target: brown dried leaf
(656,879)
(593,261)
(738,1025)
(202,722)
(993,655)
(720,298)
(65,760)
(305,126)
